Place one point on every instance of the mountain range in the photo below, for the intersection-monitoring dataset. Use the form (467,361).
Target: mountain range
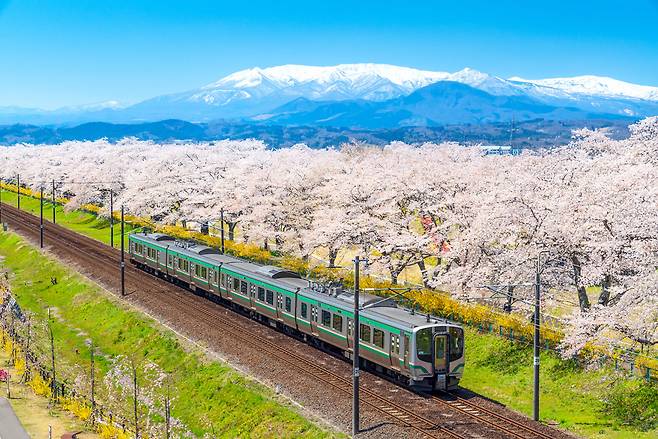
(369,96)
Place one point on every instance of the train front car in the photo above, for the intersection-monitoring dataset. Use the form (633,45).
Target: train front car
(438,355)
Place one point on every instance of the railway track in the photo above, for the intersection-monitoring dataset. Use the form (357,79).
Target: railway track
(106,257)
(93,251)
(506,424)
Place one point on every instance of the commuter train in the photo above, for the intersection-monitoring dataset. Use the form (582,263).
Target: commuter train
(421,351)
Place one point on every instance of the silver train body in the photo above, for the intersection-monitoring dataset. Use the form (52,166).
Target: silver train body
(421,351)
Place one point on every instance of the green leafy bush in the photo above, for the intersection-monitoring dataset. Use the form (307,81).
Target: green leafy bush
(634,403)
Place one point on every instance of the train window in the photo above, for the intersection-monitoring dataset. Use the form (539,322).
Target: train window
(288,304)
(456,343)
(244,288)
(304,310)
(424,344)
(223,279)
(214,275)
(337,323)
(171,260)
(395,344)
(236,285)
(261,294)
(326,318)
(364,333)
(270,297)
(201,272)
(378,338)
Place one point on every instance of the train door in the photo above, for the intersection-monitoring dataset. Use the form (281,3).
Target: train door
(350,333)
(395,351)
(441,360)
(314,320)
(252,296)
(406,348)
(279,306)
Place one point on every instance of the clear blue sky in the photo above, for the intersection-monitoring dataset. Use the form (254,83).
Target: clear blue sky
(67,52)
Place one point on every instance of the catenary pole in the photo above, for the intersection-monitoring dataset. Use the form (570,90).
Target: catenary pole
(18,191)
(221,219)
(0,205)
(535,411)
(355,353)
(41,219)
(111,219)
(54,202)
(123,263)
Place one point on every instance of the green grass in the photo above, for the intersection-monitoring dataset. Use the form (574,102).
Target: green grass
(208,392)
(573,397)
(82,222)
(497,369)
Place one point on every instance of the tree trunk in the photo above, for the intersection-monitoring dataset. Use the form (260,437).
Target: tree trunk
(394,275)
(333,254)
(265,244)
(604,297)
(423,273)
(583,300)
(231,231)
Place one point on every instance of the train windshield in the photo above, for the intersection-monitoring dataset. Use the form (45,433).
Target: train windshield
(424,344)
(456,343)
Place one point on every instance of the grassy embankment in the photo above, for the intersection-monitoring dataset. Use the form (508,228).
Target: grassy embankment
(82,222)
(500,370)
(34,411)
(592,403)
(210,396)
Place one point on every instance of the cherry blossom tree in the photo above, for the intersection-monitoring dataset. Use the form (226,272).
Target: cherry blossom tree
(462,218)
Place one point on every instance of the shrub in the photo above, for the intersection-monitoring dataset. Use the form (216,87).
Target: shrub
(633,403)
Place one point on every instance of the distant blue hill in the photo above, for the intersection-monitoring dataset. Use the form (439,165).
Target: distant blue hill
(530,133)
(442,103)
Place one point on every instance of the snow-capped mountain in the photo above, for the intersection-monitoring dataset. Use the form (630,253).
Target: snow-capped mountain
(596,86)
(261,94)
(375,82)
(257,91)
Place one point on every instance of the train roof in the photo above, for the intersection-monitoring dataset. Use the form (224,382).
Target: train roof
(384,310)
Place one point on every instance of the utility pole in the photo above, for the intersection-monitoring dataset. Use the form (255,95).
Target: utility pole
(41,219)
(54,202)
(355,352)
(18,191)
(221,219)
(123,263)
(93,385)
(535,411)
(168,411)
(52,357)
(135,393)
(112,219)
(0,204)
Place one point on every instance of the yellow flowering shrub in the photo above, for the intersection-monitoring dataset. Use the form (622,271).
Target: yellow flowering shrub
(39,385)
(107,431)
(77,407)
